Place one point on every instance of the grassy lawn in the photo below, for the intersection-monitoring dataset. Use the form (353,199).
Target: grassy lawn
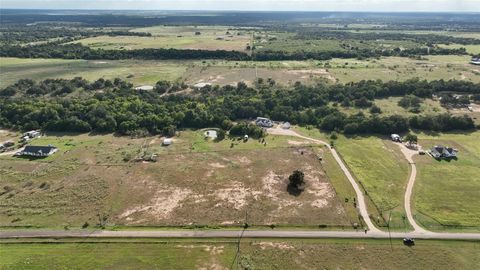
(446,191)
(194,182)
(116,255)
(254,254)
(382,170)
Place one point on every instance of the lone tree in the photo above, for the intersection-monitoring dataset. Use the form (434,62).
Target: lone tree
(296,183)
(411,138)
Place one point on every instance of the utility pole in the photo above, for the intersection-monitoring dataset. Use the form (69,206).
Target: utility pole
(388,226)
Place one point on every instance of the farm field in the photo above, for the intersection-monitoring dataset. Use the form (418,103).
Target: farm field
(135,71)
(473,49)
(93,181)
(254,254)
(182,37)
(230,72)
(446,191)
(379,166)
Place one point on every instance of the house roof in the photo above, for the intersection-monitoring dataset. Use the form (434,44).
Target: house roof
(38,149)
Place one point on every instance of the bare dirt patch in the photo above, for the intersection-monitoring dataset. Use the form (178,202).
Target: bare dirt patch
(165,200)
(275,245)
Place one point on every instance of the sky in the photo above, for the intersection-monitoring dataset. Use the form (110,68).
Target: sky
(270,5)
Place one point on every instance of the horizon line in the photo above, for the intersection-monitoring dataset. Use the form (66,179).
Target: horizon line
(245,10)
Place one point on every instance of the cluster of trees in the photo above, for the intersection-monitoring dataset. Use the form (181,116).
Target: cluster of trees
(449,100)
(78,51)
(245,128)
(120,108)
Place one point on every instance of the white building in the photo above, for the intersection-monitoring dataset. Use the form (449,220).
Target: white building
(167,141)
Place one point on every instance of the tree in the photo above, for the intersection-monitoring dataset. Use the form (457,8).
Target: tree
(220,135)
(296,182)
(162,86)
(375,109)
(411,138)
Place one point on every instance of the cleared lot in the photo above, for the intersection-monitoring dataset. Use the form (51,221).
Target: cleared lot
(93,180)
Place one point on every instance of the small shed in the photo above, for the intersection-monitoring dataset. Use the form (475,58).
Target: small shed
(144,88)
(167,141)
(286,125)
(212,134)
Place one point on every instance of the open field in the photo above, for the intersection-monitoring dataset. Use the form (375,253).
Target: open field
(254,254)
(230,72)
(473,49)
(7,135)
(135,71)
(446,192)
(181,37)
(93,179)
(383,172)
(277,41)
(389,106)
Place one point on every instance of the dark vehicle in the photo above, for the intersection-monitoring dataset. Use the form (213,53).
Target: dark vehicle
(408,241)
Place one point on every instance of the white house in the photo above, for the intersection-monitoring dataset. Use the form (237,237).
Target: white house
(167,141)
(443,152)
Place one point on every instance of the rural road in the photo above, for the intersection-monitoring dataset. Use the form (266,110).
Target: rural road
(231,234)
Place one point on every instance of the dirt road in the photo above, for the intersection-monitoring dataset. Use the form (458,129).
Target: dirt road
(409,153)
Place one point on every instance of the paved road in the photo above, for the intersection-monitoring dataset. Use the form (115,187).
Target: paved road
(231,234)
(362,206)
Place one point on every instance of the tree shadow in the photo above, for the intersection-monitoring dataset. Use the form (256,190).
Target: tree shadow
(294,190)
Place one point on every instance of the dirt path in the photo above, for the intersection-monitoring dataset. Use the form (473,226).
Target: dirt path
(409,153)
(362,206)
(11,153)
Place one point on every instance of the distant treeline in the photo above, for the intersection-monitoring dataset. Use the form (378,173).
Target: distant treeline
(78,51)
(18,34)
(268,55)
(418,38)
(77,105)
(401,21)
